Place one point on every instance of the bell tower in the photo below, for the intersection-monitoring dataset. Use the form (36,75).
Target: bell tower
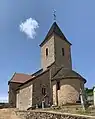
(55,49)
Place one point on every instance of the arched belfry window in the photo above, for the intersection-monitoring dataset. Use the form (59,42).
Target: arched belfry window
(62,51)
(46,51)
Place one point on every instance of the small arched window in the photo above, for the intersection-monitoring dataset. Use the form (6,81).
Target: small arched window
(46,51)
(58,85)
(43,90)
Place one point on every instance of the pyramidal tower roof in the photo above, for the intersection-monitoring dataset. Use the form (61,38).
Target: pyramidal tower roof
(55,29)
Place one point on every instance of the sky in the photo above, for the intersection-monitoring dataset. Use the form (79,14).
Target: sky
(19,48)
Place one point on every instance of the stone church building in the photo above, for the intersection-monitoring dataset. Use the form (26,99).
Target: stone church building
(56,83)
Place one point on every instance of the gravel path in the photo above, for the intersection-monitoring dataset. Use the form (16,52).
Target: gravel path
(8,114)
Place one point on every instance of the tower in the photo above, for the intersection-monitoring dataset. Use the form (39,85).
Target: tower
(55,49)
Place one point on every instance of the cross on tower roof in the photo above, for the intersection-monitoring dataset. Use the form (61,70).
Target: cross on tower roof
(54,14)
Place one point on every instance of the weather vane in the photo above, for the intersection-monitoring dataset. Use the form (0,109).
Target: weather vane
(54,15)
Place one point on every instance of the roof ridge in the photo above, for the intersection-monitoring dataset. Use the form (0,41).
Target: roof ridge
(24,74)
(11,77)
(57,71)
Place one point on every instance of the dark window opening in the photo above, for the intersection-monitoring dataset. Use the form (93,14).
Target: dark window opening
(46,51)
(63,51)
(58,85)
(79,98)
(43,91)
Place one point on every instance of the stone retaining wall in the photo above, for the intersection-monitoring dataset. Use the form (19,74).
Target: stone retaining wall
(51,115)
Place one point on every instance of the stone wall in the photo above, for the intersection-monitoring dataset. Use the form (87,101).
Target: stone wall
(69,91)
(54,93)
(12,93)
(51,115)
(55,45)
(24,96)
(47,60)
(40,82)
(60,59)
(30,93)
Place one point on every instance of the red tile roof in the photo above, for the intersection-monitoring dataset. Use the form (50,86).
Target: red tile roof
(20,78)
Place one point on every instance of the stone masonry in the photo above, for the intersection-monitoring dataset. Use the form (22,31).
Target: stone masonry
(30,94)
(51,115)
(48,60)
(12,93)
(68,93)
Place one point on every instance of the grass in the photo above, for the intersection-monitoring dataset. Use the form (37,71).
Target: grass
(73,110)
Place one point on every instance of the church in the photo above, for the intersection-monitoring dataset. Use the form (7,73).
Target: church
(56,83)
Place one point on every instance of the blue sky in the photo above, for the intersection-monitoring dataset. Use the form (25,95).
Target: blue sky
(18,53)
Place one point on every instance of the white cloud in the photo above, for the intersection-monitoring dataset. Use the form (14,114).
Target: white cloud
(29,27)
